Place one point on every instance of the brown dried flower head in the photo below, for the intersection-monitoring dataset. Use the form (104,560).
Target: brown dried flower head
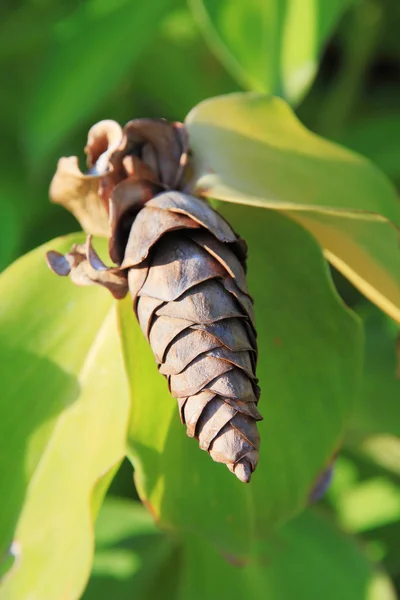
(184,267)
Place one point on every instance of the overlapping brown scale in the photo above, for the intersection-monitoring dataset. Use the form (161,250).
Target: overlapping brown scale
(197,375)
(163,331)
(243,299)
(185,348)
(228,436)
(197,210)
(178,264)
(224,255)
(225,446)
(145,310)
(206,303)
(237,359)
(214,417)
(247,429)
(136,278)
(149,226)
(236,386)
(232,333)
(200,363)
(191,409)
(236,283)
(197,339)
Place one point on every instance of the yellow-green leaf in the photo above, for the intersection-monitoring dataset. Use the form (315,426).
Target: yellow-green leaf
(63,414)
(251,149)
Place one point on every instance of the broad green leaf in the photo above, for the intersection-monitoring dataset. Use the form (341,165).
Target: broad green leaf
(307,559)
(308,365)
(251,149)
(63,415)
(130,554)
(93,50)
(377,410)
(378,138)
(270,46)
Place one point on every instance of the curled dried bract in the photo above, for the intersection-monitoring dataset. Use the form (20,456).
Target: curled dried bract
(147,156)
(84,267)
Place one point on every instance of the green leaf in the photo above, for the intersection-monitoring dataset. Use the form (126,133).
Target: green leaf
(93,50)
(251,149)
(377,410)
(182,80)
(365,495)
(9,231)
(270,46)
(309,350)
(378,138)
(25,30)
(130,553)
(308,558)
(63,415)
(384,451)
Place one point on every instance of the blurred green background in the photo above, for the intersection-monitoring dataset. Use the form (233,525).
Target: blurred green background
(66,65)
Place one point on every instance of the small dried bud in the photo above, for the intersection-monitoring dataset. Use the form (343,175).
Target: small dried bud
(85,267)
(185,269)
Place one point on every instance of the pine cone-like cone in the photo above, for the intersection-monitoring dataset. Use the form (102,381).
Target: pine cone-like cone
(185,269)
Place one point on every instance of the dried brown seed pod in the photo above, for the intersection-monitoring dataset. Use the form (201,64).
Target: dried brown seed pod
(185,270)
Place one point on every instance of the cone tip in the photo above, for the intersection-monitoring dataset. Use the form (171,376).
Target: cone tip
(243,470)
